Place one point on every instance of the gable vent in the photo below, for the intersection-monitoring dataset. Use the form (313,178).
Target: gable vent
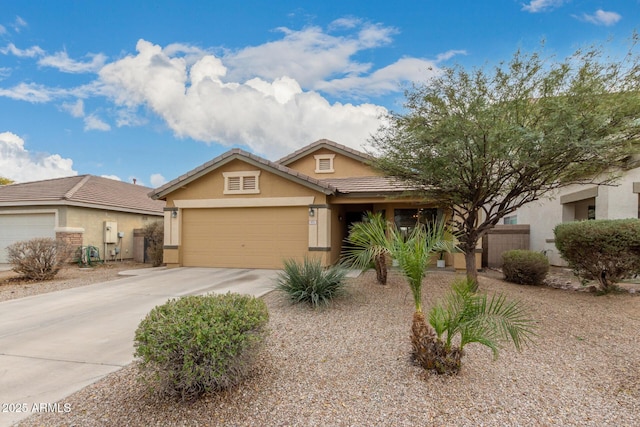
(233,183)
(324,164)
(249,183)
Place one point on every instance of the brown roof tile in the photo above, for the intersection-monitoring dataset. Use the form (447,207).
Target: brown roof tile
(82,190)
(368,185)
(323,143)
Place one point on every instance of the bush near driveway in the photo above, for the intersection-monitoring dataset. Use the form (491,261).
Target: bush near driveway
(38,259)
(199,344)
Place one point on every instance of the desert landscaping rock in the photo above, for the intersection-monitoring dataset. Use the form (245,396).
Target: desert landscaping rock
(349,365)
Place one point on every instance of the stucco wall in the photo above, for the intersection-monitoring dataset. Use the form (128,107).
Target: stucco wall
(92,220)
(345,167)
(211,186)
(612,202)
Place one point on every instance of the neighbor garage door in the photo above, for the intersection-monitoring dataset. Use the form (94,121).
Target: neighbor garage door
(17,227)
(243,237)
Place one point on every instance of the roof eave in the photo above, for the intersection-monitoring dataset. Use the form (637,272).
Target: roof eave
(62,202)
(226,158)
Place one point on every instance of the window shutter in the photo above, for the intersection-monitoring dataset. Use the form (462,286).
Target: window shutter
(249,183)
(233,183)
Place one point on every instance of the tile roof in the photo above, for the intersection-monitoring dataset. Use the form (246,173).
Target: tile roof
(368,185)
(364,186)
(323,143)
(83,190)
(237,153)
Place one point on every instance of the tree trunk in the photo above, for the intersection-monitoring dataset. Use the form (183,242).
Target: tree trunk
(431,353)
(381,268)
(470,265)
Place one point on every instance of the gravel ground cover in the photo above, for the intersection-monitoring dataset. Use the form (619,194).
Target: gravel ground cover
(348,365)
(70,276)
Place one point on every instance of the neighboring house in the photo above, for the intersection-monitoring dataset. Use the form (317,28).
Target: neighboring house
(84,210)
(576,203)
(240,210)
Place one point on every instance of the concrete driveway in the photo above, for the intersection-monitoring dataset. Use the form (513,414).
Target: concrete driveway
(54,344)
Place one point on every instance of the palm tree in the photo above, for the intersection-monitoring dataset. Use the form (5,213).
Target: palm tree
(475,318)
(368,243)
(463,312)
(413,254)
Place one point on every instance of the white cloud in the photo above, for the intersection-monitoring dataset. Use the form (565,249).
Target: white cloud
(309,56)
(387,79)
(270,98)
(93,122)
(19,24)
(272,117)
(20,165)
(601,17)
(32,92)
(535,6)
(3,29)
(62,62)
(76,109)
(31,52)
(157,180)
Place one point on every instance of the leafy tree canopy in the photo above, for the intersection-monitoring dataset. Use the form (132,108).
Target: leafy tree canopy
(488,140)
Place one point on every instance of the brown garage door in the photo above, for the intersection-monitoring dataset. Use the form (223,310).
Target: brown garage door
(243,237)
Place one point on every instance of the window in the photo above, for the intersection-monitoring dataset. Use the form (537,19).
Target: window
(406,219)
(241,182)
(324,163)
(510,220)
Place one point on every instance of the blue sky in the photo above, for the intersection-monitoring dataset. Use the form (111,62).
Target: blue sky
(151,89)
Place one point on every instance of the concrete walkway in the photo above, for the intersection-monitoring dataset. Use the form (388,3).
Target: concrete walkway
(54,344)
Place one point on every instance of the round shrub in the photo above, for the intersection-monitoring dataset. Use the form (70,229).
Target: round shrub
(198,344)
(309,282)
(39,258)
(524,267)
(606,250)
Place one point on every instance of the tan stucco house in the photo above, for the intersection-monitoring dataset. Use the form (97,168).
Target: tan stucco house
(84,210)
(241,210)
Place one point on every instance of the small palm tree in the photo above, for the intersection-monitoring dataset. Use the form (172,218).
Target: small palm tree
(413,253)
(473,318)
(368,243)
(463,313)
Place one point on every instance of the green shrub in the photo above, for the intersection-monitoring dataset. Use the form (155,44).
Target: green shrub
(38,259)
(309,282)
(154,235)
(199,344)
(603,250)
(524,267)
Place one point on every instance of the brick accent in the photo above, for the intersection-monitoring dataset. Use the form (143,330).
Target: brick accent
(73,239)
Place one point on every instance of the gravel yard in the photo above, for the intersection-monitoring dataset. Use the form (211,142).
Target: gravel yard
(348,365)
(70,276)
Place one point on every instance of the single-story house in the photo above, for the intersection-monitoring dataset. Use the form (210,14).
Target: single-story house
(241,210)
(576,203)
(84,210)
